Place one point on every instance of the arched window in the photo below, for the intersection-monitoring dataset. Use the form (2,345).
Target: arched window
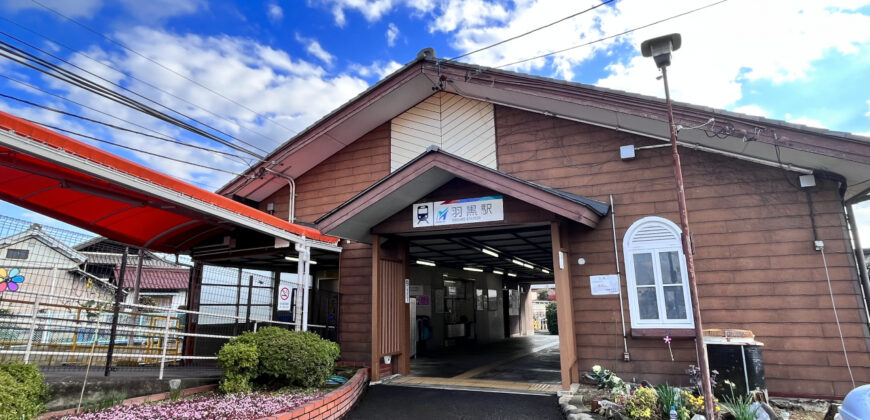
(655,267)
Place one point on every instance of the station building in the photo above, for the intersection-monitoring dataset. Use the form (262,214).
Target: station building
(467,185)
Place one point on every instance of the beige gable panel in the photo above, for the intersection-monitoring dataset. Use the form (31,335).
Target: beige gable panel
(461,126)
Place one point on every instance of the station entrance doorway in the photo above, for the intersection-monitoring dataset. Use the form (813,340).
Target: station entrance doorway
(477,307)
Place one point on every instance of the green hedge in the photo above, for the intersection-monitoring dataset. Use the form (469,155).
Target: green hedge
(23,392)
(552,318)
(283,357)
(239,363)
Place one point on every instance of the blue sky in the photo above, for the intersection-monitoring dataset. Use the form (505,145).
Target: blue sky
(284,64)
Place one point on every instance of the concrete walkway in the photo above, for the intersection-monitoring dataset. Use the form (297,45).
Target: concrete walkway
(520,363)
(398,402)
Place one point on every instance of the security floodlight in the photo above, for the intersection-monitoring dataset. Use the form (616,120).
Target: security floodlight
(660,48)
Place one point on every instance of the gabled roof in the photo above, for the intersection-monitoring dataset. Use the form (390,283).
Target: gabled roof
(35,232)
(154,278)
(433,168)
(770,142)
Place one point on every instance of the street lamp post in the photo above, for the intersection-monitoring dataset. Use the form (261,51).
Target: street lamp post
(660,49)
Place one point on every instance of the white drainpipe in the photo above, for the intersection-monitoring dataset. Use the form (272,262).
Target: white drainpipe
(291,212)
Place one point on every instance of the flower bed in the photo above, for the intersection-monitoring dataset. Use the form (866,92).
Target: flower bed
(211,406)
(257,405)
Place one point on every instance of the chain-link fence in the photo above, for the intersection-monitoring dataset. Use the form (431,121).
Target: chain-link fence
(58,290)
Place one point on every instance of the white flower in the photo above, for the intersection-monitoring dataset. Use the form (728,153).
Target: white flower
(596,369)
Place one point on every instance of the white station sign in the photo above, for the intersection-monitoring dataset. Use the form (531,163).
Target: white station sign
(456,212)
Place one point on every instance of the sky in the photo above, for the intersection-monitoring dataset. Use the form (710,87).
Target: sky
(259,72)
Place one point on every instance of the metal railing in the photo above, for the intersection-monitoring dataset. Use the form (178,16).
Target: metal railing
(57,332)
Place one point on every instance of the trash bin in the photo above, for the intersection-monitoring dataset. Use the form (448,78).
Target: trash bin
(737,356)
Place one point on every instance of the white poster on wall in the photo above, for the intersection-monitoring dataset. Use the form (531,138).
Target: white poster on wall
(456,212)
(604,285)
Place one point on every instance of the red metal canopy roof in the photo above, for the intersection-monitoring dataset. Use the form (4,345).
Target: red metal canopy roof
(87,187)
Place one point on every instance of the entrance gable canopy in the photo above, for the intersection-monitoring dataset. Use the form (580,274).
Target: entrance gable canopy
(354,218)
(87,187)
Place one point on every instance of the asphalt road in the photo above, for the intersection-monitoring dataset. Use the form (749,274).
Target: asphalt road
(398,402)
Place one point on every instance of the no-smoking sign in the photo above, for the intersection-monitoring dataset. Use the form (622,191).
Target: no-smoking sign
(284,298)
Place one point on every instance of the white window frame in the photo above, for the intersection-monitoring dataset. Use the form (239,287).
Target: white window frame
(630,248)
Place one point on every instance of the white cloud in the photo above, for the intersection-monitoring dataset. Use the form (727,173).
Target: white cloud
(804,120)
(378,69)
(454,14)
(372,10)
(276,86)
(274,12)
(868,111)
(69,8)
(392,34)
(157,10)
(751,110)
(143,11)
(313,47)
(777,41)
(865,134)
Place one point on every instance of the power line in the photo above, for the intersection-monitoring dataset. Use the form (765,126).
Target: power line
(122,45)
(139,106)
(533,30)
(611,36)
(75,133)
(30,60)
(116,127)
(131,76)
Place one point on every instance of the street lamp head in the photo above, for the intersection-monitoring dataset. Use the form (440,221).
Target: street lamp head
(660,48)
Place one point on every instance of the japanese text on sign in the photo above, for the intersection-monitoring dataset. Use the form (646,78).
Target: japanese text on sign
(453,212)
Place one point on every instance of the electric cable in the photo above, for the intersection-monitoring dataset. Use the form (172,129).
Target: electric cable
(533,30)
(124,46)
(608,37)
(131,76)
(116,127)
(22,54)
(75,133)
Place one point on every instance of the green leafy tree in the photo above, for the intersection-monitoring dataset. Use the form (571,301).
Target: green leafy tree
(552,318)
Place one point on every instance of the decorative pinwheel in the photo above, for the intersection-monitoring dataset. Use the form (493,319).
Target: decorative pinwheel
(9,281)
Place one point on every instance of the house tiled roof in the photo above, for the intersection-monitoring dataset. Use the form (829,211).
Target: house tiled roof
(156,278)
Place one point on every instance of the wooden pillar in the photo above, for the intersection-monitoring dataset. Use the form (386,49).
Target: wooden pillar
(376,322)
(565,307)
(405,345)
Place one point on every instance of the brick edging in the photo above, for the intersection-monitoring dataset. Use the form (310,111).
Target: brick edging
(333,405)
(136,400)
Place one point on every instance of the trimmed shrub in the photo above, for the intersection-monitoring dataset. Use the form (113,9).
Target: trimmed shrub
(23,392)
(239,362)
(291,357)
(552,318)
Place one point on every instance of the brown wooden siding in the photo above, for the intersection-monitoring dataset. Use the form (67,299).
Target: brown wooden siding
(756,265)
(338,178)
(355,308)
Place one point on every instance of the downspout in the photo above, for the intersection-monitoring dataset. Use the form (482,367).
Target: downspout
(291,211)
(853,230)
(859,255)
(625,356)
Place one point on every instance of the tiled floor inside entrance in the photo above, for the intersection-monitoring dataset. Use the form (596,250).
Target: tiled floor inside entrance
(518,364)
